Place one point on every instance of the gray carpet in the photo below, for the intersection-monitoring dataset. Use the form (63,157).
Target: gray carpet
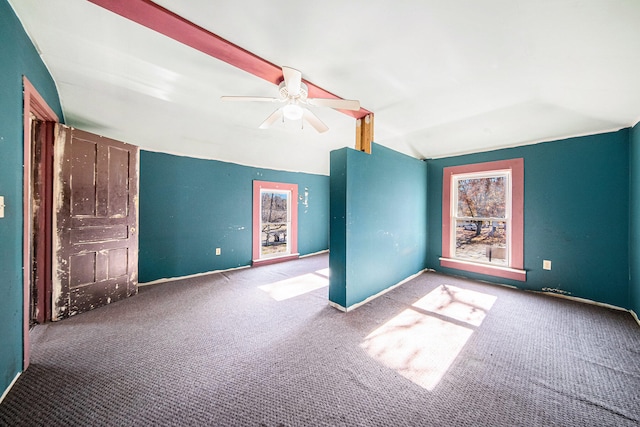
(218,350)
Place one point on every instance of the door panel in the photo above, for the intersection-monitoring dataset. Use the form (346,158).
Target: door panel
(96,215)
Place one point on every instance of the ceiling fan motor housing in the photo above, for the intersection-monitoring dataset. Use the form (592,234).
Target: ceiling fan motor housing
(284,93)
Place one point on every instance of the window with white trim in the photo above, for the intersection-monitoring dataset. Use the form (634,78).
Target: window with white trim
(275,222)
(482,218)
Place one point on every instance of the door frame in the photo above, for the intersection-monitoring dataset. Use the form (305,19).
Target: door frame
(258,187)
(34,104)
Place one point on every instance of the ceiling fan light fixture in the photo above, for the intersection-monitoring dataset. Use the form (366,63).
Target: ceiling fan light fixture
(292,112)
(293,100)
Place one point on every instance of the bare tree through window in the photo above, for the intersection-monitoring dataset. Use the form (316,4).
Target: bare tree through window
(481,218)
(274,222)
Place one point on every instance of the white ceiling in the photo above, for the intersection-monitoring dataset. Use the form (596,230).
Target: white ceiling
(442,78)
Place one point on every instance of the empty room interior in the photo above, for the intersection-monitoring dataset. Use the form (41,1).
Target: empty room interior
(319,213)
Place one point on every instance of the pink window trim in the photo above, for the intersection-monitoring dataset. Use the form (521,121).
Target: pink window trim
(516,270)
(258,186)
(489,270)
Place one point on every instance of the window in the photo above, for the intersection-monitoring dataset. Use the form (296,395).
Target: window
(482,224)
(275,222)
(481,217)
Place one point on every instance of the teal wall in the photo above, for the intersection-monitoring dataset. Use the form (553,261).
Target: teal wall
(378,222)
(338,227)
(582,198)
(188,207)
(634,223)
(18,57)
(576,214)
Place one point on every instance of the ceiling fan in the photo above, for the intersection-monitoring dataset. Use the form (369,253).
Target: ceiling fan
(293,94)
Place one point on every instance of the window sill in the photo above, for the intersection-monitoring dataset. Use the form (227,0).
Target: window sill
(489,270)
(273,260)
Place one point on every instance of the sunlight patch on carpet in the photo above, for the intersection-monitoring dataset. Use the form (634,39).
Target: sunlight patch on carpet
(323,272)
(460,304)
(421,346)
(296,286)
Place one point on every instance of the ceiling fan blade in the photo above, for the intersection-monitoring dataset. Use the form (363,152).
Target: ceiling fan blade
(249,98)
(271,119)
(338,104)
(314,121)
(292,79)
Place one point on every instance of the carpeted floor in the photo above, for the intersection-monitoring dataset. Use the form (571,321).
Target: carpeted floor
(241,349)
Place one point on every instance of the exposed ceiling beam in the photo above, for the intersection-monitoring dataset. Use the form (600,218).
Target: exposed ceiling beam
(364,133)
(157,18)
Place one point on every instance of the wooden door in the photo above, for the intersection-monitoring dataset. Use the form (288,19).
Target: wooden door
(95,215)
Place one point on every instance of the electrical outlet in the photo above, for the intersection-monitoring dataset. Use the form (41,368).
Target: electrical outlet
(546,264)
(218,251)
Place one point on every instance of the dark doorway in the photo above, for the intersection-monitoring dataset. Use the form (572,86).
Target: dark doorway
(38,123)
(40,221)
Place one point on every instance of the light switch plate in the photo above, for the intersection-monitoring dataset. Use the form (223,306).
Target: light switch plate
(1,206)
(546,264)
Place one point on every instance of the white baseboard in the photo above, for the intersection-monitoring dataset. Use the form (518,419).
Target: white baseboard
(579,299)
(338,306)
(372,297)
(172,279)
(314,253)
(9,388)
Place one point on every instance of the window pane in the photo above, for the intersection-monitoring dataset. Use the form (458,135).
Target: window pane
(482,197)
(482,241)
(274,224)
(274,238)
(274,207)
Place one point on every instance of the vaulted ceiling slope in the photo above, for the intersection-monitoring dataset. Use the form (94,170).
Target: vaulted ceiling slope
(442,78)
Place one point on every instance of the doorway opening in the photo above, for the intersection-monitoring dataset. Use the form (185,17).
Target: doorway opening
(38,124)
(39,213)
